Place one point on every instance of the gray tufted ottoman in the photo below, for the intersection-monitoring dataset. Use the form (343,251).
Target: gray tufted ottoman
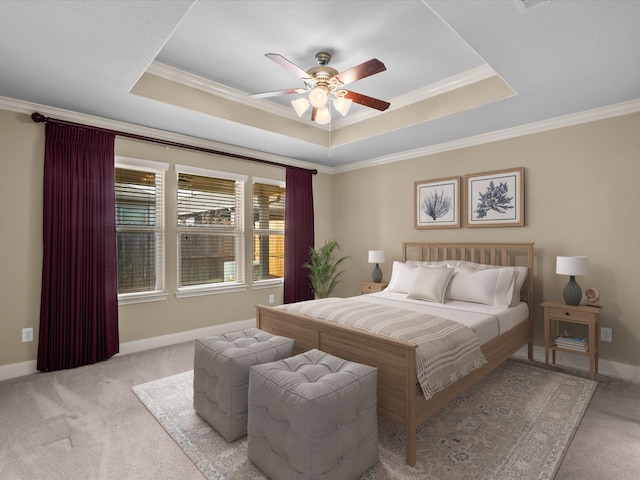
(221,375)
(313,416)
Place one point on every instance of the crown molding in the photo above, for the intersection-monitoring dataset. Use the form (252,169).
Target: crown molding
(28,108)
(218,89)
(438,88)
(587,116)
(214,88)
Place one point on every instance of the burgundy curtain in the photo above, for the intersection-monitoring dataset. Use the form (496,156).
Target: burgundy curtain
(79,299)
(299,234)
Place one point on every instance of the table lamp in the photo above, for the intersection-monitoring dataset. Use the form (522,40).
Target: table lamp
(572,266)
(377,257)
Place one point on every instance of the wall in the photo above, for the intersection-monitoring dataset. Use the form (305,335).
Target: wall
(581,198)
(21,168)
(581,192)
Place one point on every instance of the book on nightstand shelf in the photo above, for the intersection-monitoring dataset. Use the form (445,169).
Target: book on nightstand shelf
(572,343)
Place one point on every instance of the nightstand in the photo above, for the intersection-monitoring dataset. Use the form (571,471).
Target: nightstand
(556,312)
(372,287)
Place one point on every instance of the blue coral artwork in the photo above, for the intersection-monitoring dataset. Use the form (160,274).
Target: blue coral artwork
(495,199)
(437,203)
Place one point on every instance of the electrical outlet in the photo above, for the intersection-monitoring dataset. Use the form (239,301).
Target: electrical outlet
(27,335)
(272,299)
(606,334)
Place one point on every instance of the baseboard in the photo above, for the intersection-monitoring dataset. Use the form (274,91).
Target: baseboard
(609,368)
(27,368)
(21,369)
(622,371)
(180,337)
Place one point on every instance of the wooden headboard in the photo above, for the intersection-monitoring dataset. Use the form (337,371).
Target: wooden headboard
(499,254)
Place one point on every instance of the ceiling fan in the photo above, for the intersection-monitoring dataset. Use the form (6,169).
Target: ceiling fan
(323,83)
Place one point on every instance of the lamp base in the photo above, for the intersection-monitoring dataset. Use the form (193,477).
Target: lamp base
(377,274)
(572,292)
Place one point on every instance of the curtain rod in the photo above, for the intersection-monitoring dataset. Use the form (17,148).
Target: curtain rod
(40,118)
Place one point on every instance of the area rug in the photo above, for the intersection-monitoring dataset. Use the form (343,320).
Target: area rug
(517,423)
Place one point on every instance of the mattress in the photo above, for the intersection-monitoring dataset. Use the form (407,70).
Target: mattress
(486,321)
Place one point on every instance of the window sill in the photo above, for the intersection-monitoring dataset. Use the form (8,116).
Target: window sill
(261,284)
(187,292)
(130,298)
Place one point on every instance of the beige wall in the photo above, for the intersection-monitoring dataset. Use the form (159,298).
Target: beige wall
(582,195)
(21,168)
(21,154)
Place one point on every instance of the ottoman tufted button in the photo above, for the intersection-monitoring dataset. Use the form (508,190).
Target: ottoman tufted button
(340,460)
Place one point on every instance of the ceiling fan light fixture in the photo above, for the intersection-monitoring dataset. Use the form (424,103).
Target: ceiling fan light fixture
(324,85)
(300,105)
(318,97)
(342,104)
(323,116)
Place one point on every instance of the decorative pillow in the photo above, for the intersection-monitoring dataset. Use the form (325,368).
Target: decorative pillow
(402,276)
(519,276)
(430,283)
(488,286)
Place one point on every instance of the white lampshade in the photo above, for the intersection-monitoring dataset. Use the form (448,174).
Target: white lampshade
(377,256)
(342,104)
(572,265)
(318,97)
(323,116)
(300,105)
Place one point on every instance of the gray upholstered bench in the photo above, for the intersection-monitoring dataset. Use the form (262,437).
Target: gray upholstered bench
(313,416)
(221,375)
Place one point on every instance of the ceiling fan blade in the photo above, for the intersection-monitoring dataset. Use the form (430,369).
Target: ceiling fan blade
(283,62)
(367,101)
(275,93)
(313,114)
(363,70)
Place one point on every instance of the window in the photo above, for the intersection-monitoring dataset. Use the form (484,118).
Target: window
(268,230)
(139,227)
(210,228)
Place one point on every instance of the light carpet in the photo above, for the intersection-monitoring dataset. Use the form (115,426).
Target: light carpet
(516,423)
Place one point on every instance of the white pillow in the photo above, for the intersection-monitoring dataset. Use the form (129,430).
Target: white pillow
(402,276)
(430,283)
(488,286)
(520,274)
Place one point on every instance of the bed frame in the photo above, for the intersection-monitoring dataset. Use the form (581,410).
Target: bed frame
(400,398)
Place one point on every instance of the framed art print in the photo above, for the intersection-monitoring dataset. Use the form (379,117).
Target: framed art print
(437,203)
(495,199)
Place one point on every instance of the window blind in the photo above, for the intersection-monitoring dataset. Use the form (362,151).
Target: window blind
(210,229)
(139,230)
(268,230)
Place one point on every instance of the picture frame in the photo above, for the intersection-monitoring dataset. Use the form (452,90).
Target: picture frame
(495,199)
(437,203)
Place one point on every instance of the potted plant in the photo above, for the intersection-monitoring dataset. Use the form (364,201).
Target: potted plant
(323,268)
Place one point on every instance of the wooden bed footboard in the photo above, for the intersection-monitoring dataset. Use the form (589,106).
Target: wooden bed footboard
(400,399)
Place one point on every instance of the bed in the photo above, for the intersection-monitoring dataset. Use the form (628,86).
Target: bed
(400,397)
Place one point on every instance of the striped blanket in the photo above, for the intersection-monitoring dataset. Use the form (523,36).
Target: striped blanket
(446,350)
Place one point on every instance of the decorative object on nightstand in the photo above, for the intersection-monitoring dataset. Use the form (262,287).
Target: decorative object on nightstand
(377,257)
(593,296)
(572,266)
(588,316)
